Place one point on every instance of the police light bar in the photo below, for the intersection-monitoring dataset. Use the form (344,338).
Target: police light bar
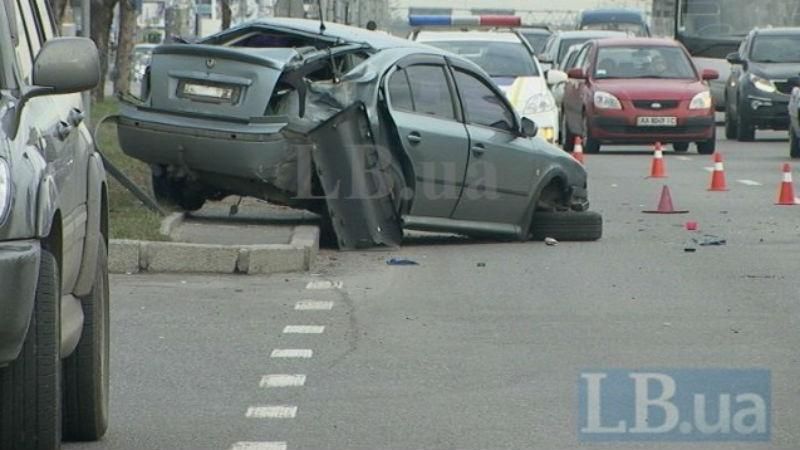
(464,21)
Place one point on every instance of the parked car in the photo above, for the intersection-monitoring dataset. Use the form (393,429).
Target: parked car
(757,91)
(54,344)
(559,43)
(615,19)
(794,118)
(373,132)
(638,91)
(507,59)
(536,36)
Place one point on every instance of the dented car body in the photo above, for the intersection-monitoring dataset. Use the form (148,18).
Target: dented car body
(374,133)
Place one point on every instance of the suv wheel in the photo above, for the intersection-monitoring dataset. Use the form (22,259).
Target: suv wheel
(746,131)
(794,144)
(86,371)
(731,127)
(680,147)
(30,387)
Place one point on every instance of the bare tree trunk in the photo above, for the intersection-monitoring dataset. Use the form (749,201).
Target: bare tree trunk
(125,42)
(226,14)
(102,16)
(59,6)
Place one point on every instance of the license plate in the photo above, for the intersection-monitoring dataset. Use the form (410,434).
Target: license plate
(649,121)
(208,92)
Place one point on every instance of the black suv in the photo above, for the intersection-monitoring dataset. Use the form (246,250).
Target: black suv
(757,92)
(53,231)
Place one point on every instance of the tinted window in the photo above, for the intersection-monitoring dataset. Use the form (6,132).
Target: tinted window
(430,91)
(776,49)
(643,62)
(498,59)
(481,105)
(400,91)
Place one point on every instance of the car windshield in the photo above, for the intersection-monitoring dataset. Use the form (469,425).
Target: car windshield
(643,62)
(537,40)
(637,29)
(731,18)
(498,59)
(776,49)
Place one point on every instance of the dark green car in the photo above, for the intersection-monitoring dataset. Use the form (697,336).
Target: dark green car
(375,133)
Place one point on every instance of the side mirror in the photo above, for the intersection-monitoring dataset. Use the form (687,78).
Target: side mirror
(734,58)
(576,74)
(65,66)
(709,74)
(555,77)
(528,128)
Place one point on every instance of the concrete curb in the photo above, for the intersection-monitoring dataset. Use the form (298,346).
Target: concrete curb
(130,257)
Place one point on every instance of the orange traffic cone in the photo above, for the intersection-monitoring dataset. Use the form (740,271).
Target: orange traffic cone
(665,204)
(786,196)
(577,150)
(657,168)
(718,182)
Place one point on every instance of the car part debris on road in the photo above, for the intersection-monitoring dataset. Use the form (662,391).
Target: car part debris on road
(550,242)
(401,262)
(709,240)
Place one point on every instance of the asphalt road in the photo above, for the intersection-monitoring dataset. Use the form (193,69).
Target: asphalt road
(482,344)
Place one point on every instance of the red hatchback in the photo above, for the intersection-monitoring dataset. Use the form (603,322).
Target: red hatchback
(638,91)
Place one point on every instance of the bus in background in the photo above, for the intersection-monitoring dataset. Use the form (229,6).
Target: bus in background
(617,19)
(711,29)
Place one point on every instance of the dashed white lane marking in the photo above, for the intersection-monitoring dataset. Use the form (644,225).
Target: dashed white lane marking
(324,284)
(304,329)
(271,412)
(749,182)
(275,381)
(259,446)
(310,305)
(292,353)
(683,158)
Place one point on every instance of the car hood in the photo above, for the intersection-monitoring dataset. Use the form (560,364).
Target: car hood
(775,71)
(651,89)
(518,90)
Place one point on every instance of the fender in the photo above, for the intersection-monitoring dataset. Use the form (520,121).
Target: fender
(527,219)
(47,205)
(95,212)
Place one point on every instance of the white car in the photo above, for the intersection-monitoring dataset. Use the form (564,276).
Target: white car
(509,60)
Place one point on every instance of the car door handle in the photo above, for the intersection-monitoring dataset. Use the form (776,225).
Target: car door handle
(63,130)
(478,150)
(414,138)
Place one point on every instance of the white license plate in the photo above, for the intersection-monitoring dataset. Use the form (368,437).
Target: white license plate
(211,92)
(649,121)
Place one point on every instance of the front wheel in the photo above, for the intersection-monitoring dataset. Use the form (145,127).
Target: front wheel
(746,131)
(731,127)
(567,226)
(708,147)
(30,387)
(680,147)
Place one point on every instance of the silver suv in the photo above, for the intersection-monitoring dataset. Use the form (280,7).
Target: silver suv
(53,231)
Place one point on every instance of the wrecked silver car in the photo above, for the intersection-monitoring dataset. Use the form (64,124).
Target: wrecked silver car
(372,132)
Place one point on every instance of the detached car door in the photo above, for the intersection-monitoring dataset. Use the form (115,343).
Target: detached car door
(501,166)
(422,104)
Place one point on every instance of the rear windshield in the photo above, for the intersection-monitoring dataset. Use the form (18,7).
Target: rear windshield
(566,44)
(498,59)
(776,49)
(636,29)
(643,62)
(537,40)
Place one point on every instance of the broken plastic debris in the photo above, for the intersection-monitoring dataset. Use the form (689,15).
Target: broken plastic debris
(481,264)
(401,262)
(550,241)
(708,240)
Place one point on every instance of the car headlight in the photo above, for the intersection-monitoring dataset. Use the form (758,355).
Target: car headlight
(5,189)
(701,101)
(604,100)
(539,103)
(762,84)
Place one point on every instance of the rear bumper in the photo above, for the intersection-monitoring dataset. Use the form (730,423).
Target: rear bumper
(19,266)
(623,130)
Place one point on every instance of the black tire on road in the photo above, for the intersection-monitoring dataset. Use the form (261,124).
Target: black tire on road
(30,387)
(731,127)
(680,147)
(567,226)
(794,144)
(708,147)
(86,371)
(746,131)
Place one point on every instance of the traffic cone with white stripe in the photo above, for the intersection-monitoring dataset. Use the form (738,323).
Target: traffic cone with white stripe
(657,167)
(577,150)
(786,196)
(718,182)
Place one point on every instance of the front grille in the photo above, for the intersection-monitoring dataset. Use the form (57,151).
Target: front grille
(663,104)
(784,87)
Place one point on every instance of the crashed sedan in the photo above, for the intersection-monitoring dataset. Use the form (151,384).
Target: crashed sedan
(374,133)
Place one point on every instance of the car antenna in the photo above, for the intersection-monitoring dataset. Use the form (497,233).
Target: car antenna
(321,17)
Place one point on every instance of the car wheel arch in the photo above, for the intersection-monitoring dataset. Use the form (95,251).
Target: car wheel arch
(554,176)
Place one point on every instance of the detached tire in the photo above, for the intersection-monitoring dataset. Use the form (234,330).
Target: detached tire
(86,371)
(30,388)
(567,226)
